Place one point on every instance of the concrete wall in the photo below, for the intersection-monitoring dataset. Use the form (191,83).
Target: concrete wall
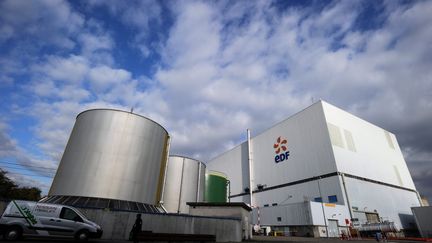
(117,225)
(236,212)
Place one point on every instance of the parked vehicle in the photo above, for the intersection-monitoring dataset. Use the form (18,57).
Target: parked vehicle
(25,218)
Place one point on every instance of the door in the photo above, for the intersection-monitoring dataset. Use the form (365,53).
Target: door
(70,221)
(333,228)
(66,223)
(372,217)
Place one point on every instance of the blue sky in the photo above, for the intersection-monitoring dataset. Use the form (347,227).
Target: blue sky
(207,70)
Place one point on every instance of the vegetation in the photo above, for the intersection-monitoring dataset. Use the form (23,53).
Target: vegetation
(10,190)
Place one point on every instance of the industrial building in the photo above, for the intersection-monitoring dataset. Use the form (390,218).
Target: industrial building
(319,173)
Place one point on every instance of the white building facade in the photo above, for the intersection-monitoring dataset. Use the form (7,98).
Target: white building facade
(320,171)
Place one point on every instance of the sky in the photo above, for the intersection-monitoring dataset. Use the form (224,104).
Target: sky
(208,70)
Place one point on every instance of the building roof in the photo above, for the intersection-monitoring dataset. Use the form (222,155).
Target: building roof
(220,204)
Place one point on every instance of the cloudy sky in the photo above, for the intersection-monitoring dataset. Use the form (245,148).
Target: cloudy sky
(207,70)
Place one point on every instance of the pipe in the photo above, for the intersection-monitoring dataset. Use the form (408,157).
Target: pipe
(419,198)
(229,190)
(348,202)
(165,172)
(346,195)
(322,207)
(181,187)
(250,167)
(198,184)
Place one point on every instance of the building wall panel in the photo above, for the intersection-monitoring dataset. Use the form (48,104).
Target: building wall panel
(377,154)
(391,204)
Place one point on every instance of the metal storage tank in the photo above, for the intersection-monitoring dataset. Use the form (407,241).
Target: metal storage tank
(184,182)
(215,187)
(112,154)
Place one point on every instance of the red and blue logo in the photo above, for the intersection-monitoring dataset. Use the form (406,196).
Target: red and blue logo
(281,149)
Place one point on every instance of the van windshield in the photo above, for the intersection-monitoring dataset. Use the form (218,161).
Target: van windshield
(79,213)
(69,214)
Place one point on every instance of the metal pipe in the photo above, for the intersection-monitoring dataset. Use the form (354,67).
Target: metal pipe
(229,190)
(181,186)
(165,172)
(419,198)
(322,207)
(348,202)
(198,183)
(346,195)
(250,167)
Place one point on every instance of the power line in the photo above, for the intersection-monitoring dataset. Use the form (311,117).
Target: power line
(16,168)
(34,166)
(29,175)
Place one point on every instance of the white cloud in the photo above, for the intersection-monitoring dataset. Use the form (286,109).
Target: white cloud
(50,21)
(72,69)
(103,77)
(91,43)
(195,36)
(141,16)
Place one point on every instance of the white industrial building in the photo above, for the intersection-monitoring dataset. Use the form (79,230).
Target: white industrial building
(320,171)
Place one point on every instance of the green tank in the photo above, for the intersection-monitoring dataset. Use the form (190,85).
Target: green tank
(215,187)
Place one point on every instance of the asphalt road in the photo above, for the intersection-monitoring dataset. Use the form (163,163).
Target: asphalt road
(257,239)
(61,240)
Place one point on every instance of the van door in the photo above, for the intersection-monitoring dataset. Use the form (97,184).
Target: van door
(70,220)
(48,217)
(61,224)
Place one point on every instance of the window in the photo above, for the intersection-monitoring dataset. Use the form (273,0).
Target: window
(274,204)
(266,205)
(335,135)
(69,214)
(332,198)
(318,199)
(279,219)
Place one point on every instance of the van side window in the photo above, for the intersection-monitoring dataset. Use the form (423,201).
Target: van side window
(67,213)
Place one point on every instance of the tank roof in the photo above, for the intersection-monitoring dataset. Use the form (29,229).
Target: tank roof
(108,109)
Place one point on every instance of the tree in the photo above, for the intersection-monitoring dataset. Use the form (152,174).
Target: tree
(10,190)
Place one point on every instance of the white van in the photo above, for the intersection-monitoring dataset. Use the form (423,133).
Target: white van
(25,218)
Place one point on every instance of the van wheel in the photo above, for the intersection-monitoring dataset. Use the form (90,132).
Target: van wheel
(13,233)
(82,236)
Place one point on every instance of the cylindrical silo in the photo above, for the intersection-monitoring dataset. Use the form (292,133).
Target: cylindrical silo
(113,154)
(184,183)
(215,187)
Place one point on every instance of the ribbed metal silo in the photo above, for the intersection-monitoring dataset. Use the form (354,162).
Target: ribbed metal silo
(184,183)
(113,154)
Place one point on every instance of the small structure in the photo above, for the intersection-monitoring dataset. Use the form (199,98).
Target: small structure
(423,218)
(233,210)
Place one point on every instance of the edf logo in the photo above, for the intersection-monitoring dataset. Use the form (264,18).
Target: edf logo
(281,150)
